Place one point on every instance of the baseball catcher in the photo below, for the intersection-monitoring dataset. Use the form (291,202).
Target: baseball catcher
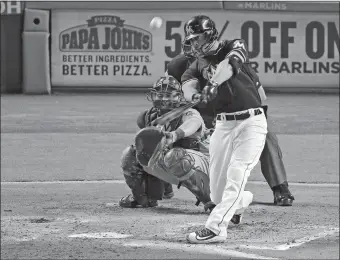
(172,153)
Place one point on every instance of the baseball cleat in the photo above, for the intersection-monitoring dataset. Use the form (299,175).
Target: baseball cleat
(236,219)
(204,236)
(282,195)
(130,202)
(283,202)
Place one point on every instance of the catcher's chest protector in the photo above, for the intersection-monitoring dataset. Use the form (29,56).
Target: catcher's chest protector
(173,125)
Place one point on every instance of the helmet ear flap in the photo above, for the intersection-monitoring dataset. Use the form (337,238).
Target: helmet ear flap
(187,50)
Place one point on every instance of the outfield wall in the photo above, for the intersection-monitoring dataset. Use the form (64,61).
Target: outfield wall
(96,45)
(11,22)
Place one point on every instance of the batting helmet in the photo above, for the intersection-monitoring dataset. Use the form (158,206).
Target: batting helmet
(200,35)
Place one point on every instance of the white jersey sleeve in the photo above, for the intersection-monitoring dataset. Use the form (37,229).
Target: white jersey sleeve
(189,115)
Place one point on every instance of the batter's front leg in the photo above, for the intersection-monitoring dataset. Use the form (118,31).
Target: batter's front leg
(248,139)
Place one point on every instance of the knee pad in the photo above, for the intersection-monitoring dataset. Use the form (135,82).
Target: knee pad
(129,163)
(179,163)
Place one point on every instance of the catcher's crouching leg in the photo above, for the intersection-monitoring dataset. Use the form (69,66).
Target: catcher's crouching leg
(146,189)
(182,164)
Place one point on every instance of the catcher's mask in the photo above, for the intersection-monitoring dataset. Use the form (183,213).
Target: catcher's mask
(166,94)
(200,36)
(147,142)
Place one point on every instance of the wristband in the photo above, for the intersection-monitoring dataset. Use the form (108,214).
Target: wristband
(178,134)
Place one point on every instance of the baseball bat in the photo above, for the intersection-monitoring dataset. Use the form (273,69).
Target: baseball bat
(173,114)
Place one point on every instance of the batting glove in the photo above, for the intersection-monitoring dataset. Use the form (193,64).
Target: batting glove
(209,91)
(170,138)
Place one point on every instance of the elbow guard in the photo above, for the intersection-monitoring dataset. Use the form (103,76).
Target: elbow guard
(235,63)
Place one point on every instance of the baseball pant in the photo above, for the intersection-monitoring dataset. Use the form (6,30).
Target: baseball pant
(246,199)
(235,149)
(272,166)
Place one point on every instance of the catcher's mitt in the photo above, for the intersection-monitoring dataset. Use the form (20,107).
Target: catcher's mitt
(147,141)
(146,117)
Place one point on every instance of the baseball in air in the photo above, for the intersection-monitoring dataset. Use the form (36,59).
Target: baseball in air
(156,23)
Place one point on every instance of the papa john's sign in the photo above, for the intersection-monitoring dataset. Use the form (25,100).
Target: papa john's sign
(107,49)
(105,33)
(99,50)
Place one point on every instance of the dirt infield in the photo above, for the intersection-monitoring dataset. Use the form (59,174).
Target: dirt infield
(57,220)
(63,140)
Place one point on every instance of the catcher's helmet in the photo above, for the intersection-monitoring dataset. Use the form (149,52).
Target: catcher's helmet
(200,35)
(166,93)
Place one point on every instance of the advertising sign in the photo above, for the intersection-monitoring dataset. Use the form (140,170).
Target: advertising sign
(118,49)
(11,7)
(285,6)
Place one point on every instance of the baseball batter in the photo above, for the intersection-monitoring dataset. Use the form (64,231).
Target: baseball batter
(241,125)
(271,161)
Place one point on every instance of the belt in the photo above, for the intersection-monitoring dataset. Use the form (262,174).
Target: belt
(245,115)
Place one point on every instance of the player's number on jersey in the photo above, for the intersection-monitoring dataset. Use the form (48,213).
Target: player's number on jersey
(176,38)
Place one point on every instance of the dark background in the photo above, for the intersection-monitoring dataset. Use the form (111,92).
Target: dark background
(10,56)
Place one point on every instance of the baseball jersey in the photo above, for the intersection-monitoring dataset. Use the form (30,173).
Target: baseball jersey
(178,65)
(244,94)
(176,68)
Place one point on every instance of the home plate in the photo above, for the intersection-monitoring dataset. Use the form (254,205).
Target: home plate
(101,235)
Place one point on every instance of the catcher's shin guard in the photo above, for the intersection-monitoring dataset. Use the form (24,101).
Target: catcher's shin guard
(137,184)
(129,163)
(198,184)
(134,176)
(182,164)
